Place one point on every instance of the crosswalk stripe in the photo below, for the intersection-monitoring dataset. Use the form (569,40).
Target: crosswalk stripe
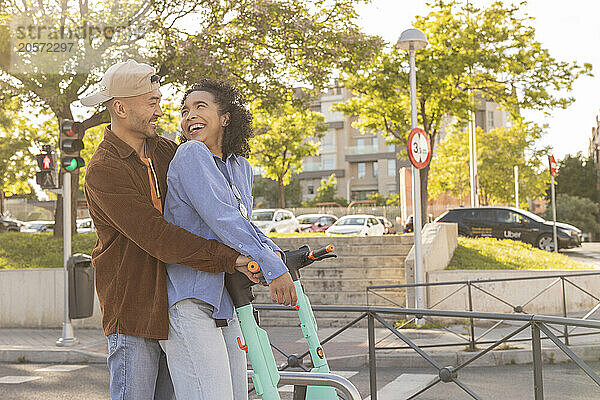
(345,374)
(404,386)
(60,368)
(18,379)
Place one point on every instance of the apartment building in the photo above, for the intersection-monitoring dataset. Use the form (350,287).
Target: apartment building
(362,163)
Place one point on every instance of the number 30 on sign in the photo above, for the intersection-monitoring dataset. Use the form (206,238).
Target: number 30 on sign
(419,148)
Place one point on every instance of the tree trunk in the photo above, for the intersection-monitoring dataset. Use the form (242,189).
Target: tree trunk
(281,193)
(1,202)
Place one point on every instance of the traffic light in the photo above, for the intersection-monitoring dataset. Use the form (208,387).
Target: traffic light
(71,144)
(47,177)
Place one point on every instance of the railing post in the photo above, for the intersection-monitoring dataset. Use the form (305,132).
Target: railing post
(564,304)
(536,347)
(372,357)
(472,333)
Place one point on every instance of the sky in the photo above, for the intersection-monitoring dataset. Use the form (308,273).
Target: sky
(568,29)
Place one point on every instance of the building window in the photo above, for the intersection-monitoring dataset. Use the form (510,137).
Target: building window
(391,167)
(311,189)
(328,161)
(392,148)
(360,142)
(490,119)
(375,142)
(375,166)
(362,170)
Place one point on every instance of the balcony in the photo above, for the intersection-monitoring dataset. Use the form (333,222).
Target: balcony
(356,150)
(312,166)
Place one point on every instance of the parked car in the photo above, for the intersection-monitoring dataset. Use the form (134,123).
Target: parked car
(38,226)
(85,225)
(9,225)
(275,220)
(408,227)
(316,222)
(512,223)
(387,225)
(357,225)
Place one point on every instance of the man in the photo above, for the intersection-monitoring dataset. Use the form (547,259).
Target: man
(125,184)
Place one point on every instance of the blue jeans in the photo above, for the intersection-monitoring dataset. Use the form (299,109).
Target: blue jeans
(138,369)
(205,361)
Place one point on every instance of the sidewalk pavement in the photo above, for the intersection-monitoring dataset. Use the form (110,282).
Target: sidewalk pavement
(347,351)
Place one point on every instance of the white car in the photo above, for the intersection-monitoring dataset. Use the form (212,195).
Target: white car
(357,225)
(85,225)
(275,220)
(38,226)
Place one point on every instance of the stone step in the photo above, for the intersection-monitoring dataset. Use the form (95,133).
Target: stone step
(335,298)
(363,261)
(366,250)
(314,242)
(342,273)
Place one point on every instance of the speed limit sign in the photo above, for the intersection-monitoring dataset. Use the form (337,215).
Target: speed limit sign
(419,148)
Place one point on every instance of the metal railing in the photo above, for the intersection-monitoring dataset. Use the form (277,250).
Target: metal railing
(450,374)
(479,285)
(343,385)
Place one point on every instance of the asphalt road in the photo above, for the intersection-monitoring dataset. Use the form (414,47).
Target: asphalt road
(561,381)
(588,254)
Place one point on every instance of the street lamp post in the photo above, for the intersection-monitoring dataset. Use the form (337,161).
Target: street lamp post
(412,40)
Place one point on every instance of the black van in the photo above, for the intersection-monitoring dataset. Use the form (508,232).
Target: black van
(512,223)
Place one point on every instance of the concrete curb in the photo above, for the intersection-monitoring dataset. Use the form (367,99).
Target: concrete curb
(16,354)
(492,358)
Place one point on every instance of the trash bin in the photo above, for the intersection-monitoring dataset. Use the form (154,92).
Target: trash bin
(81,286)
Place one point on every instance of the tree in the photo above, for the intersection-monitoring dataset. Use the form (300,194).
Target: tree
(498,151)
(577,177)
(265,47)
(578,211)
(449,171)
(489,51)
(284,137)
(327,193)
(268,190)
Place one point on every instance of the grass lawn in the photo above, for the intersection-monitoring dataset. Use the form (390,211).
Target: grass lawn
(39,250)
(489,253)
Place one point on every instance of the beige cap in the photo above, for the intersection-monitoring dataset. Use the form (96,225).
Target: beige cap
(125,79)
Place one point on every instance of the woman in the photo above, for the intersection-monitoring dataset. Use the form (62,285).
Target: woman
(209,194)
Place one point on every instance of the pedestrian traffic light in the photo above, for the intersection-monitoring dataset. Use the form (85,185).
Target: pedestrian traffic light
(71,144)
(47,177)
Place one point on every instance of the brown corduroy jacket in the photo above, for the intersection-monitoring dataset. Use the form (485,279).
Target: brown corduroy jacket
(134,240)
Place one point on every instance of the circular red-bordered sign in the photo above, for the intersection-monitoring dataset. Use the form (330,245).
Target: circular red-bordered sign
(418,148)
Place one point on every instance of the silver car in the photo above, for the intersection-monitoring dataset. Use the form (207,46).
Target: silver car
(275,220)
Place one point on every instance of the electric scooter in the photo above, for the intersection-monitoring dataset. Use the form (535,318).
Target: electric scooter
(265,375)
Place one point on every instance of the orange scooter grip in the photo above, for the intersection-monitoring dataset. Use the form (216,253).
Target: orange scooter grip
(253,267)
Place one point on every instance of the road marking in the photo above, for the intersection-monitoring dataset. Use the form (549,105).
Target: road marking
(60,368)
(404,386)
(345,374)
(18,379)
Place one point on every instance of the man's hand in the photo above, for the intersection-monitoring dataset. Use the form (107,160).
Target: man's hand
(242,261)
(253,277)
(283,290)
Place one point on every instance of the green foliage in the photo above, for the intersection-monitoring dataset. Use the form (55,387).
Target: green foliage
(491,52)
(326,193)
(498,151)
(576,177)
(267,189)
(284,137)
(490,253)
(577,211)
(39,250)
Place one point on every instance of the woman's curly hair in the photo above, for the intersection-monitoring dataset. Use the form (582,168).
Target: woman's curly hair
(229,100)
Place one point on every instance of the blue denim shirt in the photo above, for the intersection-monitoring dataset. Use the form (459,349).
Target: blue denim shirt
(200,199)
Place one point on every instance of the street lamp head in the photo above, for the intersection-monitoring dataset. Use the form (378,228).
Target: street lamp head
(412,39)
